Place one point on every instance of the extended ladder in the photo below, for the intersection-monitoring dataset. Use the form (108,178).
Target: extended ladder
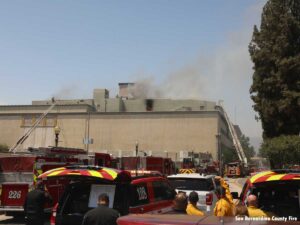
(236,141)
(27,134)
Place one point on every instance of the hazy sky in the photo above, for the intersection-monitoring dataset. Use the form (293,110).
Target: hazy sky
(181,49)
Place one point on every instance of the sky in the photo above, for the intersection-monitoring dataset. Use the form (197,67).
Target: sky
(190,49)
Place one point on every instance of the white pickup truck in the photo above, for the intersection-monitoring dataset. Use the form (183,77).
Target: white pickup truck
(204,185)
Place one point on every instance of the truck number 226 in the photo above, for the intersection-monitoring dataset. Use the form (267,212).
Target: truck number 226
(14,194)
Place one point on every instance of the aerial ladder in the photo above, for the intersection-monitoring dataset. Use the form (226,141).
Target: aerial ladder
(28,132)
(236,142)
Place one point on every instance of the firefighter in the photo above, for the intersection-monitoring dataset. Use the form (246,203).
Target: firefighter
(227,190)
(223,206)
(34,205)
(192,208)
(252,207)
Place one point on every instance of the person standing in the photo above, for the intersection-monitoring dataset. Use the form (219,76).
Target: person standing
(179,204)
(241,210)
(101,215)
(223,206)
(220,181)
(34,205)
(192,208)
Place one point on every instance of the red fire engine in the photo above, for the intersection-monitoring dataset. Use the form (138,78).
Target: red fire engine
(199,162)
(18,174)
(106,160)
(163,165)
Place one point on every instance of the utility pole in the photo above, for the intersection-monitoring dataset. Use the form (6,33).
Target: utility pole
(88,132)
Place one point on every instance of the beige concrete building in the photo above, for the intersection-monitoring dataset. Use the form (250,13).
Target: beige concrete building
(115,125)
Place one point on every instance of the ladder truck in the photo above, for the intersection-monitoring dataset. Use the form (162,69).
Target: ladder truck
(238,168)
(19,172)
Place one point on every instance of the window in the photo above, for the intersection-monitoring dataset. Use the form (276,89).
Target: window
(139,195)
(243,192)
(279,197)
(192,184)
(77,200)
(29,120)
(162,191)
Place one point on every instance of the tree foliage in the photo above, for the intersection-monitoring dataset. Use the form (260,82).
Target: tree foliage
(275,52)
(283,151)
(230,155)
(248,149)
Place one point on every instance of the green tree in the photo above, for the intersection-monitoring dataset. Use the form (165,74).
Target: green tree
(230,155)
(282,151)
(248,149)
(275,52)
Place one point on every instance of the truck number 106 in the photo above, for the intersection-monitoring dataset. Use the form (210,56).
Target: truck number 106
(142,193)
(14,194)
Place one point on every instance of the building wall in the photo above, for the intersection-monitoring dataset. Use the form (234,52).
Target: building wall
(162,126)
(160,133)
(73,129)
(167,105)
(10,129)
(155,132)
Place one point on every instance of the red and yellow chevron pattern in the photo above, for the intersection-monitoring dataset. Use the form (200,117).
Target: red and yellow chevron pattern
(273,176)
(187,171)
(104,173)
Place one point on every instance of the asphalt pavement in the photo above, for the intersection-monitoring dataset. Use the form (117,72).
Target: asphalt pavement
(10,220)
(14,221)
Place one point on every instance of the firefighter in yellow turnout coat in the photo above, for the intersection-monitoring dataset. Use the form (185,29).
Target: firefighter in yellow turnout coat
(223,206)
(226,187)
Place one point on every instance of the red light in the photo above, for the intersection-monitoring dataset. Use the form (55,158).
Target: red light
(53,214)
(209,199)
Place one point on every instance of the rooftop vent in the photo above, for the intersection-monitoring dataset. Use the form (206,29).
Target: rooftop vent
(125,90)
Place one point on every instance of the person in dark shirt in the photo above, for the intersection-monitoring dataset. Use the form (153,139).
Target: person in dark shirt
(34,205)
(101,215)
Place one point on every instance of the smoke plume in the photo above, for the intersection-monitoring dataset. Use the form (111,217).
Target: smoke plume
(68,92)
(224,73)
(219,74)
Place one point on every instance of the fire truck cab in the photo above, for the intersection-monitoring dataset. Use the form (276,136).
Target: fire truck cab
(18,174)
(234,169)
